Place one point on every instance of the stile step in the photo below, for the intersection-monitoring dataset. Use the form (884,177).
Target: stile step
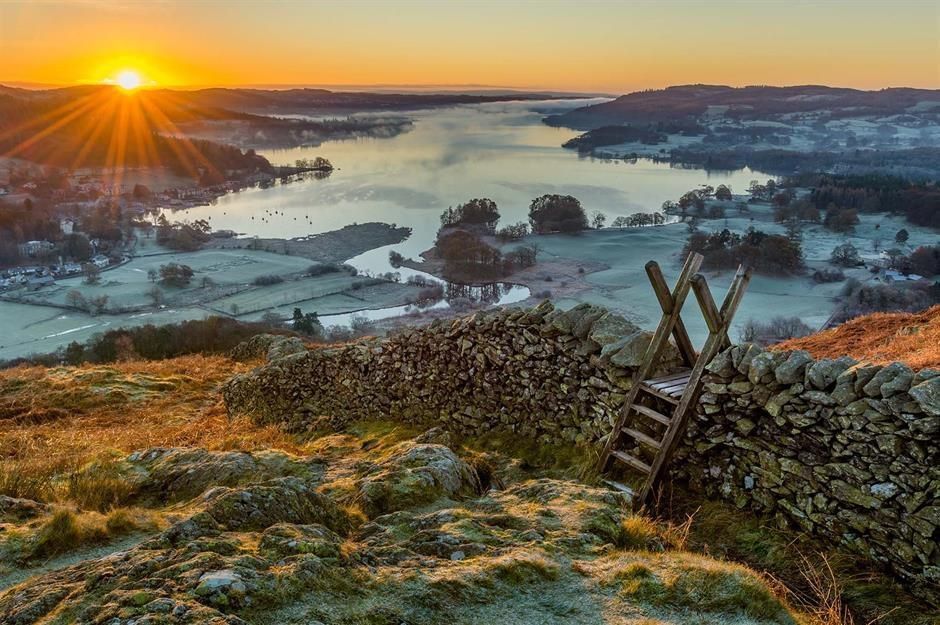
(656,393)
(652,414)
(636,463)
(643,438)
(623,488)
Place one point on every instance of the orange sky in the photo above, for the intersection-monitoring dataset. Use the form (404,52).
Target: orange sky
(590,46)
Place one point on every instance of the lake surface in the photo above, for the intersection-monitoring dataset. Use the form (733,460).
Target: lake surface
(501,151)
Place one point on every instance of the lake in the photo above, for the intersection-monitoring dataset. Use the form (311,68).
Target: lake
(501,151)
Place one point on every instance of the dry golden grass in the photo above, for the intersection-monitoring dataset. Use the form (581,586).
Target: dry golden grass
(912,338)
(53,421)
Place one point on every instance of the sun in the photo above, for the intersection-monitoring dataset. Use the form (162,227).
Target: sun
(128,80)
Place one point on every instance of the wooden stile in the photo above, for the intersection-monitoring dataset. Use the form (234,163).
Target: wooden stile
(677,391)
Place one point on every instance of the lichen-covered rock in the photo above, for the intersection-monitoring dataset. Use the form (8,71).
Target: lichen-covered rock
(254,348)
(281,500)
(823,373)
(791,370)
(175,474)
(889,381)
(289,539)
(203,569)
(416,475)
(15,509)
(285,346)
(610,328)
(927,395)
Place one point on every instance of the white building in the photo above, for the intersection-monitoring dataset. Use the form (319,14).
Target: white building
(31,248)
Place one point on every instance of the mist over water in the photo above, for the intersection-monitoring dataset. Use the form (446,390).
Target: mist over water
(501,151)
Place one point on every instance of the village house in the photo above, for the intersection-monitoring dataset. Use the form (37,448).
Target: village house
(32,248)
(35,282)
(100,260)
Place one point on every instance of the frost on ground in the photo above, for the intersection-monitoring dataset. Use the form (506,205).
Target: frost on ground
(378,529)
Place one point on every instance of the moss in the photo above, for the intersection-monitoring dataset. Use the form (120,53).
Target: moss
(705,586)
(521,567)
(626,532)
(560,460)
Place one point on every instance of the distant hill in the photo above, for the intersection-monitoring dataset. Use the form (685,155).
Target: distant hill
(100,125)
(741,103)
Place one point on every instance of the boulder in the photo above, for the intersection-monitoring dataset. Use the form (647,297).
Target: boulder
(259,506)
(287,539)
(13,509)
(180,473)
(415,475)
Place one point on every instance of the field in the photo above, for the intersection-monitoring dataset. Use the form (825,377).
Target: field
(624,287)
(41,321)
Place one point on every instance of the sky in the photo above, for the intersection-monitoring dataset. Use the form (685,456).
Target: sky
(588,46)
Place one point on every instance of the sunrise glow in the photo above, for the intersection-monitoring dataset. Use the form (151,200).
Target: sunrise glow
(608,47)
(128,80)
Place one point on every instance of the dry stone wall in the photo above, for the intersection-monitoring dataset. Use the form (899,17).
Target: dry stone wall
(546,374)
(845,450)
(842,449)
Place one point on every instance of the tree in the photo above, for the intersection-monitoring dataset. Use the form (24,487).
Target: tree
(894,256)
(598,219)
(152,275)
(513,232)
(557,213)
(478,213)
(926,260)
(272,319)
(845,255)
(723,193)
(92,273)
(620,222)
(840,219)
(176,275)
(74,353)
(96,305)
(902,236)
(794,230)
(76,300)
(156,295)
(782,199)
(308,323)
(76,246)
(757,190)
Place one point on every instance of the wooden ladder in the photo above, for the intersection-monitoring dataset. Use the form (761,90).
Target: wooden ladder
(679,390)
